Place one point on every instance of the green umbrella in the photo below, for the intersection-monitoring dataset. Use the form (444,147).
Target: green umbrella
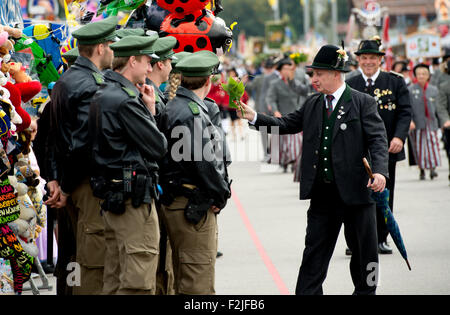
(382,201)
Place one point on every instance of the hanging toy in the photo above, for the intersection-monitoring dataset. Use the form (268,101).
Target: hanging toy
(195,27)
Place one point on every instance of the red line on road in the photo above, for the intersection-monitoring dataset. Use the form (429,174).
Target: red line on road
(269,265)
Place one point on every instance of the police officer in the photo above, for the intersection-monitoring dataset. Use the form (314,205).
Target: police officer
(126,148)
(194,188)
(161,69)
(70,56)
(71,150)
(393,103)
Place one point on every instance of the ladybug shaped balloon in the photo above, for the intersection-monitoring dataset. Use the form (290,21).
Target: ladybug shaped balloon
(194,27)
(182,7)
(194,34)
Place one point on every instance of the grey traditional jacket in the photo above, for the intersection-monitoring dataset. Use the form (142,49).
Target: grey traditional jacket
(285,97)
(418,106)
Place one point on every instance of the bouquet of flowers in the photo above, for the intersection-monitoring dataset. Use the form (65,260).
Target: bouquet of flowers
(235,90)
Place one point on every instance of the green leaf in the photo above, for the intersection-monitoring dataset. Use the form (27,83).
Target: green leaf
(235,90)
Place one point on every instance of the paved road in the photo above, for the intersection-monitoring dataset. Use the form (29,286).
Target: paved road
(262,230)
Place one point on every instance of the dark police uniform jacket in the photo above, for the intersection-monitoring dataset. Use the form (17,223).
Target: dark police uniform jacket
(188,128)
(358,132)
(124,132)
(393,104)
(160,100)
(71,98)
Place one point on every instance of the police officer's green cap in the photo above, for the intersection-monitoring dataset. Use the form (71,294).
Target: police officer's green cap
(164,47)
(71,55)
(199,64)
(97,32)
(124,32)
(135,46)
(178,57)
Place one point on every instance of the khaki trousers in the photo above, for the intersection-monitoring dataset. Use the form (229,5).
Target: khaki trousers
(194,249)
(132,248)
(90,240)
(164,273)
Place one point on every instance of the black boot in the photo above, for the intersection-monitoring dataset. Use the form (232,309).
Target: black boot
(384,248)
(433,173)
(422,174)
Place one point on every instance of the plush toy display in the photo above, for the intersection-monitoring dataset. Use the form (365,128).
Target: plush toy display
(22,211)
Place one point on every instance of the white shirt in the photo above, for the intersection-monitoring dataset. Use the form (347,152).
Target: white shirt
(337,95)
(374,77)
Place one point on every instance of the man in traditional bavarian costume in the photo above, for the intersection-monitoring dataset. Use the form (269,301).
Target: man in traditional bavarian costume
(340,126)
(394,106)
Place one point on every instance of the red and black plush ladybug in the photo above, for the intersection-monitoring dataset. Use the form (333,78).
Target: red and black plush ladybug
(198,32)
(194,27)
(182,7)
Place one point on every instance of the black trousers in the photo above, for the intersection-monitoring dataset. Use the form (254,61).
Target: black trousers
(390,184)
(326,214)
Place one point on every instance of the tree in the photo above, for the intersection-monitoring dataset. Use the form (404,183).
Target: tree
(250,15)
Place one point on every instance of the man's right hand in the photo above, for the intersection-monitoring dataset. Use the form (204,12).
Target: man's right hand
(249,113)
(54,193)
(446,124)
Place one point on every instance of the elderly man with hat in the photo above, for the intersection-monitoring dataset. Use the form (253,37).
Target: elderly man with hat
(394,106)
(194,183)
(71,150)
(127,146)
(340,126)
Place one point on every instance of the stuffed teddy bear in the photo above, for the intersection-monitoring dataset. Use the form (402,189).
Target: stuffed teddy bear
(18,73)
(13,33)
(25,226)
(26,175)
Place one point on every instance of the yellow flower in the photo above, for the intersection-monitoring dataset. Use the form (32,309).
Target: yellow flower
(342,53)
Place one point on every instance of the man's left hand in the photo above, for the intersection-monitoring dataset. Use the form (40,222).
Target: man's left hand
(396,145)
(378,183)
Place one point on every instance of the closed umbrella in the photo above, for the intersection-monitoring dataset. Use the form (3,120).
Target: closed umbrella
(382,201)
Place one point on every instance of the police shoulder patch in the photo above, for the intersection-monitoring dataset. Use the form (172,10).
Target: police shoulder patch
(130,92)
(194,108)
(98,78)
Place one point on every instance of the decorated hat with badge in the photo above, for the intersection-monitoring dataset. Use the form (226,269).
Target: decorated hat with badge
(330,57)
(135,46)
(371,46)
(199,64)
(97,32)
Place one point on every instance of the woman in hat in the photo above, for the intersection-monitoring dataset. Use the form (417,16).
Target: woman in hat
(424,124)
